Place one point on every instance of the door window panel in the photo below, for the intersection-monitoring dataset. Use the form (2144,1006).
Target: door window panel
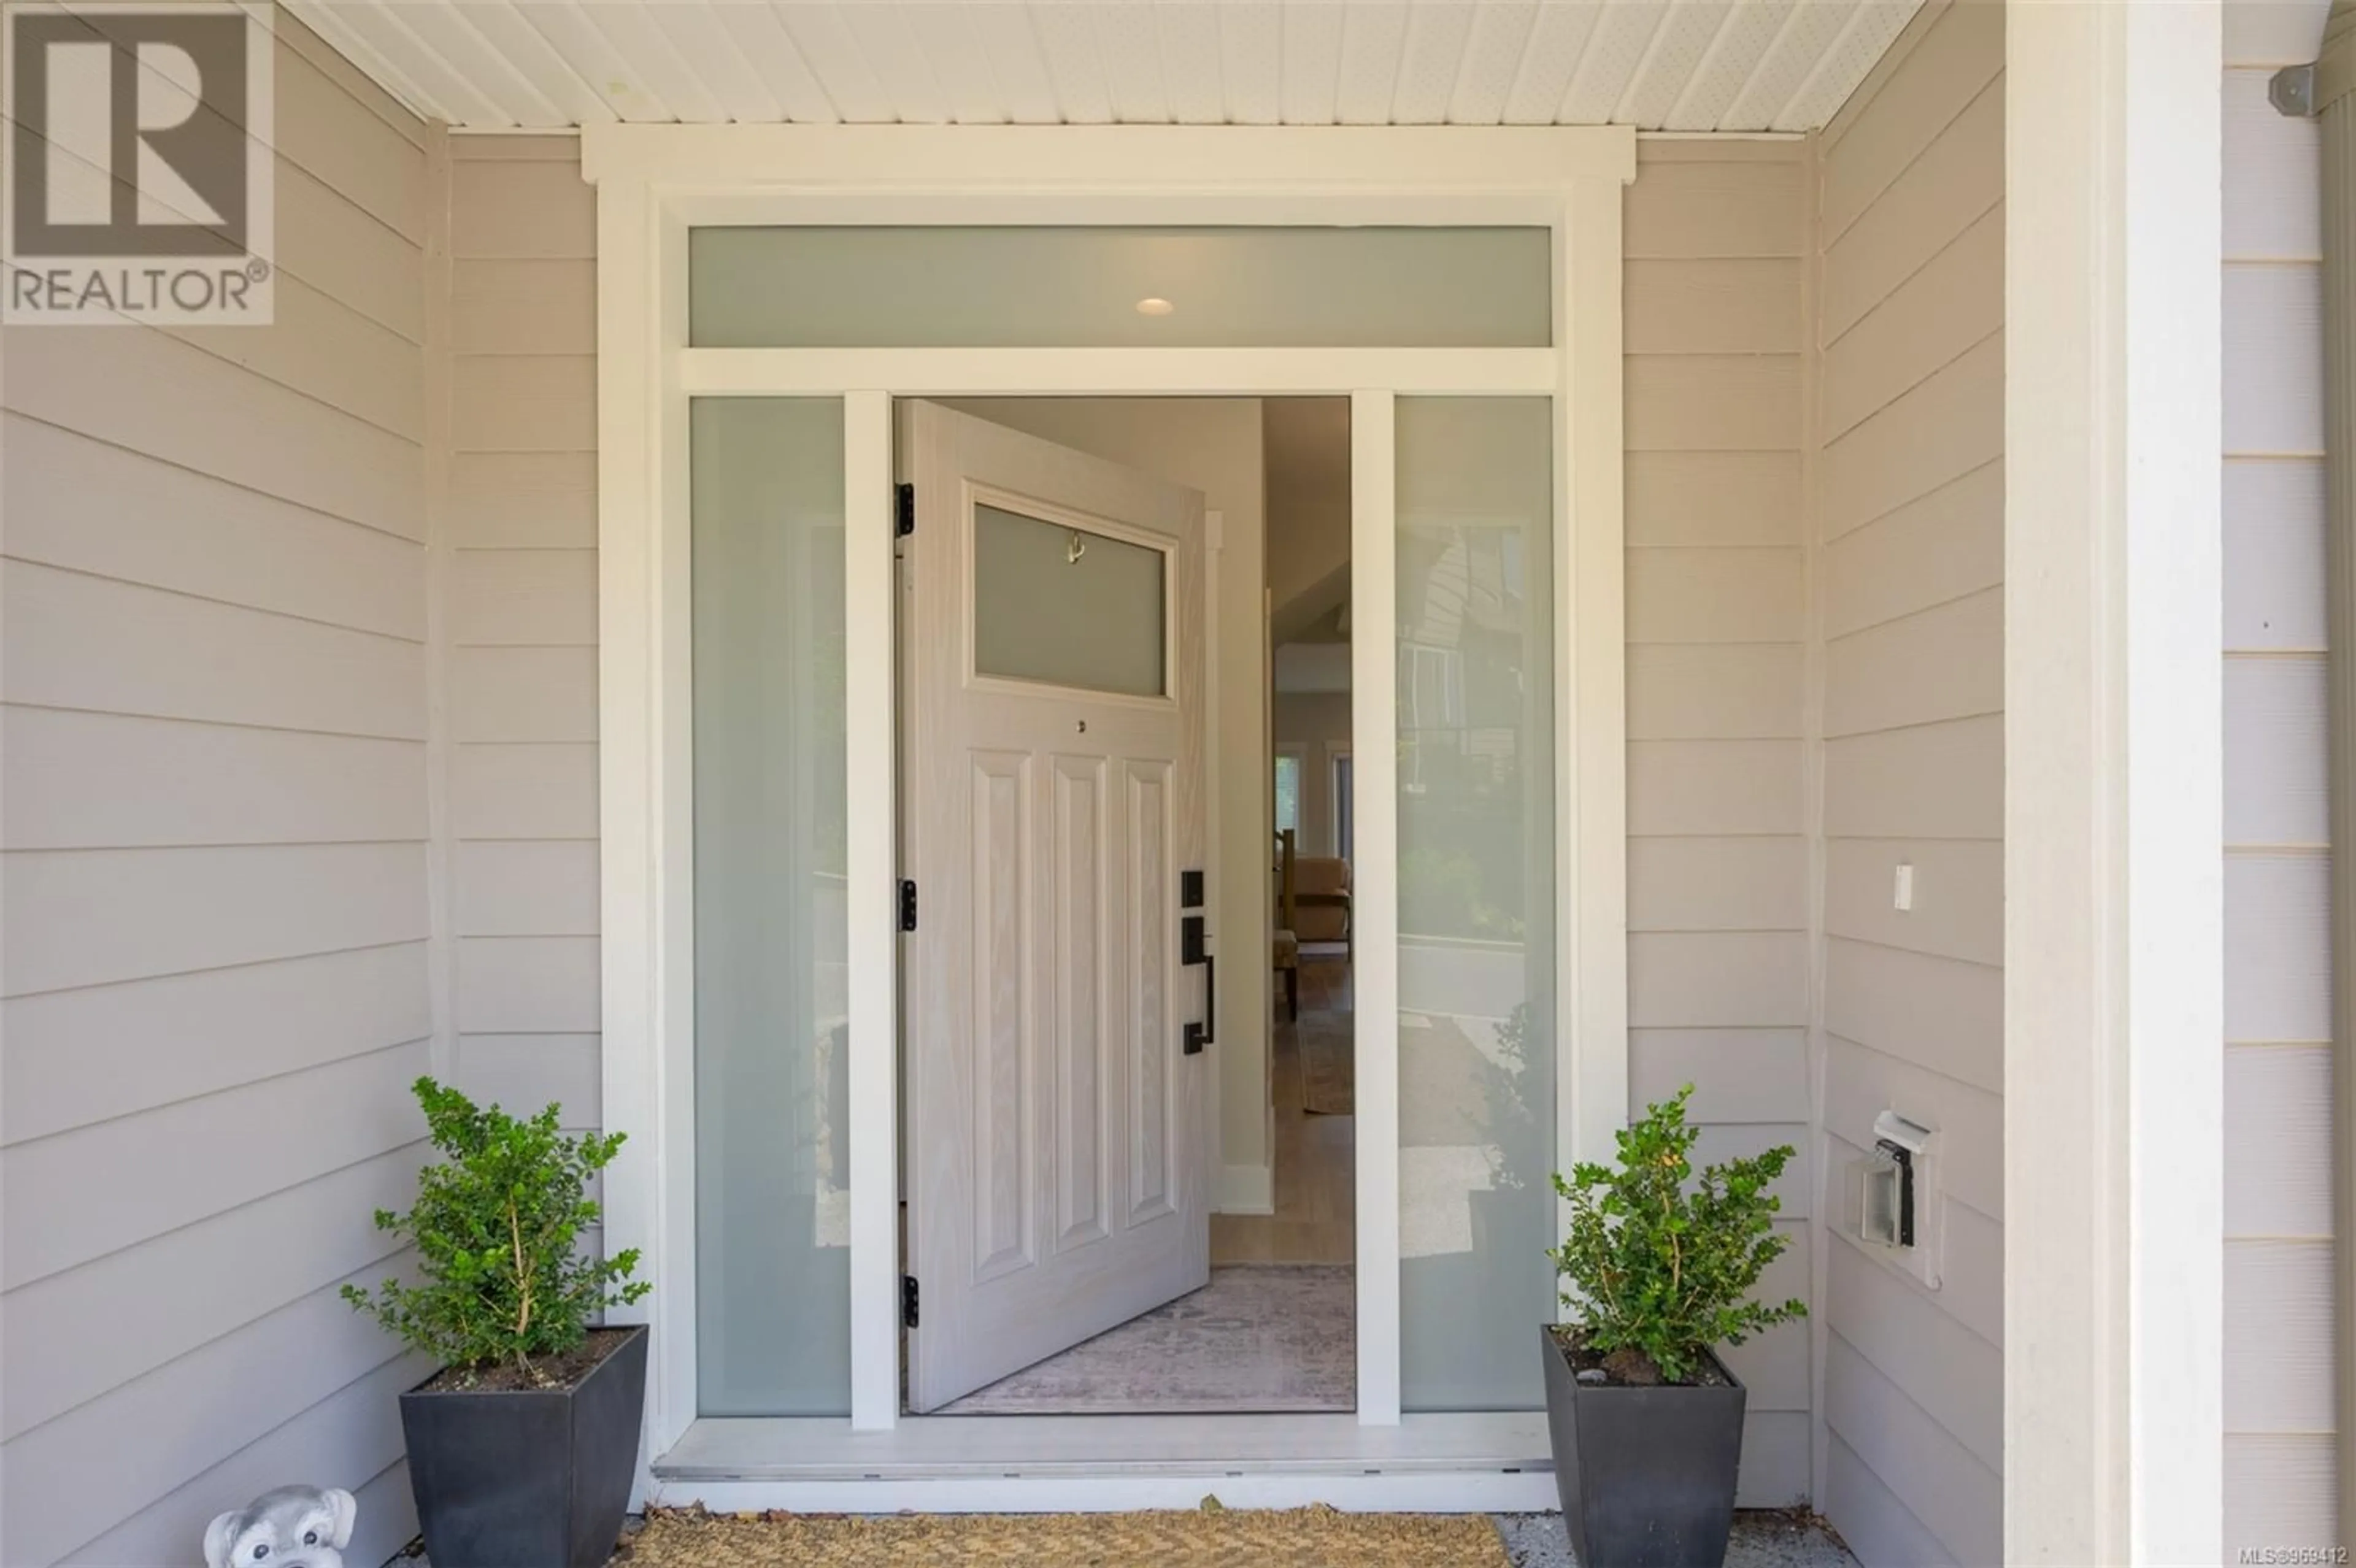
(1066,607)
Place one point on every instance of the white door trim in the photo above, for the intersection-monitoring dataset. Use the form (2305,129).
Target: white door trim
(1374,897)
(652,182)
(871,654)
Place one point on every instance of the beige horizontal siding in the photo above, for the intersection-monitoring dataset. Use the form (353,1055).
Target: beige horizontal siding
(1929,780)
(2278,1109)
(1909,601)
(1938,548)
(1963,1498)
(95,1054)
(523,619)
(1702,692)
(2280,1348)
(1877,1526)
(2280,1344)
(1716,605)
(1686,497)
(2273,555)
(213,782)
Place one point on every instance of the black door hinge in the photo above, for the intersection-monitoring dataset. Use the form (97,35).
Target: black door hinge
(904,510)
(907,906)
(907,1301)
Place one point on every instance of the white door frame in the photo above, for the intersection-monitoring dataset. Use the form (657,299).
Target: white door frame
(657,181)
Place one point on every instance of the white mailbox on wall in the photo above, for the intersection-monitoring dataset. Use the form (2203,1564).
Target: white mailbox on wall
(1890,1201)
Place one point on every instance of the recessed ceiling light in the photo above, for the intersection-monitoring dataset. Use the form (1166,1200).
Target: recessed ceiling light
(1154,306)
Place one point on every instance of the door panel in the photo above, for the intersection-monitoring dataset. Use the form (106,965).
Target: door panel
(1149,1049)
(1059,1180)
(1001,1034)
(1081,990)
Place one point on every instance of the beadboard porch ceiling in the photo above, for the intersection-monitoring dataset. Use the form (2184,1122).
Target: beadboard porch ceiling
(1673,65)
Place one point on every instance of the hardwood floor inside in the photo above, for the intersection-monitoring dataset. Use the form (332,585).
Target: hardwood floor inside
(1316,1157)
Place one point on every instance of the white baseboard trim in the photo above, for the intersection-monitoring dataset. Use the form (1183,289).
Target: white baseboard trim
(1246,1189)
(1460,1492)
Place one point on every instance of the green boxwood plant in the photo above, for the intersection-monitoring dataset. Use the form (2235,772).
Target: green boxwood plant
(496,1227)
(1662,1262)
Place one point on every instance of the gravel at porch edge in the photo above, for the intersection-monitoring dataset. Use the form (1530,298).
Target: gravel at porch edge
(1763,1538)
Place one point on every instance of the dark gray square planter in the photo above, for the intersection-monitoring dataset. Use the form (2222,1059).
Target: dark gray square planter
(528,1477)
(1647,1475)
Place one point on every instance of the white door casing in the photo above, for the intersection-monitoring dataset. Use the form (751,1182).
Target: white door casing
(1058,1179)
(655,184)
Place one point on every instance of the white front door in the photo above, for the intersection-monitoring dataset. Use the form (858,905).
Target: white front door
(1052,706)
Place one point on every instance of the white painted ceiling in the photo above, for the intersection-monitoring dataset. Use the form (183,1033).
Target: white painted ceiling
(1680,65)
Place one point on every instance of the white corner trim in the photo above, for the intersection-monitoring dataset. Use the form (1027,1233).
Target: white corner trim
(1246,1189)
(636,1075)
(440,554)
(1591,686)
(2113,948)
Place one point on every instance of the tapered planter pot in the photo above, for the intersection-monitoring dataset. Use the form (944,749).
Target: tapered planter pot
(1647,1475)
(528,1478)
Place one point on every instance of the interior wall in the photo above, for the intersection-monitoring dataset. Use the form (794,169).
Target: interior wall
(1213,445)
(2280,1337)
(216,726)
(1907,672)
(1316,722)
(1307,445)
(1718,864)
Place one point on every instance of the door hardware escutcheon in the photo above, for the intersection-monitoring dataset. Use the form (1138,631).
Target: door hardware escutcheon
(1192,950)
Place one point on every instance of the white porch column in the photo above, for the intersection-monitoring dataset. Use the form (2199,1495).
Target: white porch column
(2113,944)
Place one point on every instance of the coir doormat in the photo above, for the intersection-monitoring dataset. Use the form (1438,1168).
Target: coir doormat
(1211,1536)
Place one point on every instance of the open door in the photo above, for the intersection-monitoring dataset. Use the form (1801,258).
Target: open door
(1052,708)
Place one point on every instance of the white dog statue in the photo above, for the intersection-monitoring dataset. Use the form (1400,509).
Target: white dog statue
(288,1527)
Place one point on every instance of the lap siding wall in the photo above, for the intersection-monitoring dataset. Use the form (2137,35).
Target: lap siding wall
(1717,862)
(1906,657)
(214,724)
(2280,1337)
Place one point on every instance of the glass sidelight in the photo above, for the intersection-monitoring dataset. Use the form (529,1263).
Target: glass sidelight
(772,1095)
(1477,951)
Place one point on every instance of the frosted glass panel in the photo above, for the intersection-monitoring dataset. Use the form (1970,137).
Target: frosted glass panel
(1078,287)
(772,1256)
(1065,606)
(1476,508)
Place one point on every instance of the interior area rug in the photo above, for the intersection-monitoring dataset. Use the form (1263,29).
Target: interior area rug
(1208,1537)
(1328,1046)
(1258,1338)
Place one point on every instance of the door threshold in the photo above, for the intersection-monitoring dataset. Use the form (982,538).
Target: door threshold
(1024,1464)
(759,1448)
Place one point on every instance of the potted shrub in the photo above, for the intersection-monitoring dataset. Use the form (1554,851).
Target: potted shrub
(1646,1421)
(523,1448)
